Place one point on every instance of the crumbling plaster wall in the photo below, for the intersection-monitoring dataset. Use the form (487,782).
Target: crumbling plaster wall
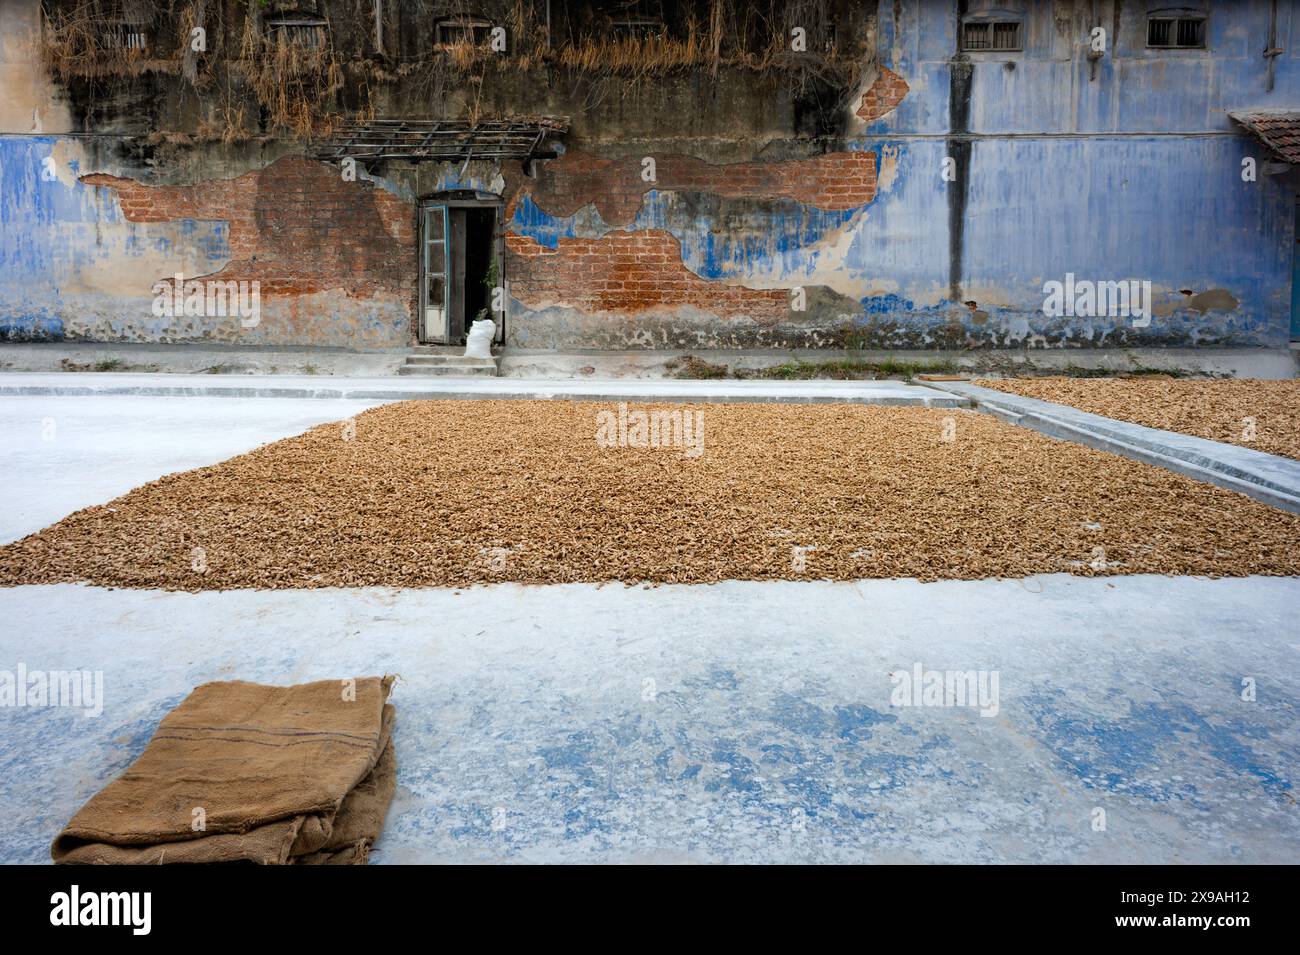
(1062,166)
(30,103)
(128,209)
(1126,168)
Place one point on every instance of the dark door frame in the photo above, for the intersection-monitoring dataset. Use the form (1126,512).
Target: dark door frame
(460,199)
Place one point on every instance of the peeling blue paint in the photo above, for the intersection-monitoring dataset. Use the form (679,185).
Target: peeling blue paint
(1074,167)
(69,259)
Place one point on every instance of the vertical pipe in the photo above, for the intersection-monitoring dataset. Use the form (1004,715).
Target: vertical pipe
(1271,53)
(1094,21)
(959,148)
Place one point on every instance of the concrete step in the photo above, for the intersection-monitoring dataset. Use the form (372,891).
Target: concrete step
(479,369)
(448,360)
(438,349)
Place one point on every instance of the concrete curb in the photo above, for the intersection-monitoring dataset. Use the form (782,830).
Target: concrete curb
(1268,478)
(456,388)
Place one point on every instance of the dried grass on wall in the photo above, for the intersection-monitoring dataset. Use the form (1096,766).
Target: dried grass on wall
(297,87)
(76,44)
(295,84)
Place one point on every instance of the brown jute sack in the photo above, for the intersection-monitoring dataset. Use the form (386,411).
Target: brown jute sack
(298,774)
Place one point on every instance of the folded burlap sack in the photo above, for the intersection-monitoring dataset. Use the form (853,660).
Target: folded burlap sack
(241,772)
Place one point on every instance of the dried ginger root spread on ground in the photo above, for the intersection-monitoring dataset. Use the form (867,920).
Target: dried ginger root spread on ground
(1250,412)
(449,493)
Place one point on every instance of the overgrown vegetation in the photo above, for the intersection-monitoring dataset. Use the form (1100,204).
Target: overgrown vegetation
(103,364)
(849,369)
(278,82)
(797,369)
(98,39)
(688,366)
(705,37)
(1079,371)
(295,83)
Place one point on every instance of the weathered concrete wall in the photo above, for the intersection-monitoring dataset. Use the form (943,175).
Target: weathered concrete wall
(85,256)
(1126,168)
(1133,174)
(30,103)
(332,259)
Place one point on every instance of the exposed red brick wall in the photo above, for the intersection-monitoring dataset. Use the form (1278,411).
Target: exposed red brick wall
(628,272)
(296,227)
(885,93)
(834,181)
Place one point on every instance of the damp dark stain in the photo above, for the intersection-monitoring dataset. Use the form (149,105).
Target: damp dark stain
(960,71)
(1211,300)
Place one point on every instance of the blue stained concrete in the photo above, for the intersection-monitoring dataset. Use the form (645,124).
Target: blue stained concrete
(526,733)
(744,722)
(1100,188)
(1122,228)
(530,220)
(1118,755)
(1136,89)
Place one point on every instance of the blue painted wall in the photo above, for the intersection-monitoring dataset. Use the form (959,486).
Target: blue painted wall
(71,266)
(1129,168)
(1126,168)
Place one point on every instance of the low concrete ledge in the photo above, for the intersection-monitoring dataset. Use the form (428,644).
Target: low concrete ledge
(399,389)
(1269,478)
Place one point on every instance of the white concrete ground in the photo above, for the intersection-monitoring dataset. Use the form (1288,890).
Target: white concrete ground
(92,385)
(192,357)
(63,454)
(739,722)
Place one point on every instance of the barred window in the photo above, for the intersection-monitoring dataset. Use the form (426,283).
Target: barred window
(129,27)
(991,36)
(1178,33)
(126,36)
(304,31)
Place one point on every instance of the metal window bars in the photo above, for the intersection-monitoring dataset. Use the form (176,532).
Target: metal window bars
(1176,32)
(989,36)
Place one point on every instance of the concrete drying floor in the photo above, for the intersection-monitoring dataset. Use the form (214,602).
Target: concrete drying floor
(452,493)
(740,722)
(743,722)
(1250,413)
(85,451)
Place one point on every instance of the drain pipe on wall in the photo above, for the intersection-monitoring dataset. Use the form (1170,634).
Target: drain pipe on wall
(1094,55)
(1272,51)
(959,148)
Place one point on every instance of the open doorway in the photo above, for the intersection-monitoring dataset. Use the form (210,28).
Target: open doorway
(460,265)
